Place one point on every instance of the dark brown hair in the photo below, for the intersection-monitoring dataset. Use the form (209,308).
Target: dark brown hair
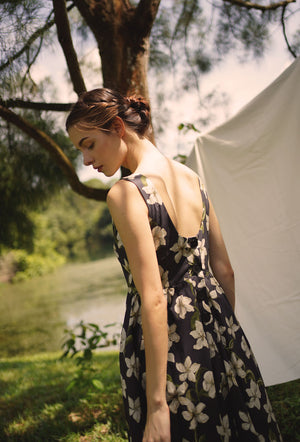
(99,107)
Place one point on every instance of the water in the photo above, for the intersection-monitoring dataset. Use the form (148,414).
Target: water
(34,314)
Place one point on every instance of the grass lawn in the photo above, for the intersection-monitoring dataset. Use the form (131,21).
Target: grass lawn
(36,405)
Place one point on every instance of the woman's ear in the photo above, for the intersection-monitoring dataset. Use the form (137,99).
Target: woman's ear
(118,127)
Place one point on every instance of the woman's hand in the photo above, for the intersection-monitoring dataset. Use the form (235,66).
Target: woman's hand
(158,425)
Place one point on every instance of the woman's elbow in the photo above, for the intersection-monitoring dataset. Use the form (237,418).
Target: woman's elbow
(156,301)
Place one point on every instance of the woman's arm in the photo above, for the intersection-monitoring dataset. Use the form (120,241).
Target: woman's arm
(130,215)
(218,257)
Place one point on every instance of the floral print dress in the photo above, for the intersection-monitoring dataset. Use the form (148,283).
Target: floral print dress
(214,388)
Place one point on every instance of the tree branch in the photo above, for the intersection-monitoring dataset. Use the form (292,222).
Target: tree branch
(65,40)
(145,13)
(22,104)
(56,153)
(249,5)
(284,33)
(29,42)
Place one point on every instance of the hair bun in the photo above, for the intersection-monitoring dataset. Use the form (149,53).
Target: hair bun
(138,114)
(139,104)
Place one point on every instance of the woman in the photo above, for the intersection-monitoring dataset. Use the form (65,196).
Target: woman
(188,373)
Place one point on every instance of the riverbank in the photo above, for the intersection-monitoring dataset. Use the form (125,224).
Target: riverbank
(37,406)
(35,313)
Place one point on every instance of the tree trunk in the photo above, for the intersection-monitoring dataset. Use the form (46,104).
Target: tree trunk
(122,33)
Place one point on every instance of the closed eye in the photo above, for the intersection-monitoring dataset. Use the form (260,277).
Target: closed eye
(90,147)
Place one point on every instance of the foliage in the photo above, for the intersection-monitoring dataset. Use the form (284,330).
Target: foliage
(28,266)
(80,343)
(29,179)
(68,228)
(79,228)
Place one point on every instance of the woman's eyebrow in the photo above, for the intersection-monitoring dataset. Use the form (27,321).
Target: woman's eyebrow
(81,141)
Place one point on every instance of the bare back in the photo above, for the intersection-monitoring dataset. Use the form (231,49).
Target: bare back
(179,188)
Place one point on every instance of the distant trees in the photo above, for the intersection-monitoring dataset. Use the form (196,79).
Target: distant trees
(69,228)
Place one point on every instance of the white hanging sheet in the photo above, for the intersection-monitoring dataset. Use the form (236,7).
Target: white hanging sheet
(251,168)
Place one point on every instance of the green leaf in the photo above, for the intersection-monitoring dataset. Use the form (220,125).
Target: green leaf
(98,384)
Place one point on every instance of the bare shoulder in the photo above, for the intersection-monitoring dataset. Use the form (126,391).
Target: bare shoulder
(121,190)
(124,198)
(184,172)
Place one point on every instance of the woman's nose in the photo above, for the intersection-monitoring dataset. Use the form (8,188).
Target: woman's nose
(87,159)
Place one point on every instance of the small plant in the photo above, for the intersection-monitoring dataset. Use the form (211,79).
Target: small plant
(185,127)
(80,344)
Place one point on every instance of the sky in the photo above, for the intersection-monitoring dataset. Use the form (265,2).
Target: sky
(241,82)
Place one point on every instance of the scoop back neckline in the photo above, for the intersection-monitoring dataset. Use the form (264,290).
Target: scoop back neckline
(132,177)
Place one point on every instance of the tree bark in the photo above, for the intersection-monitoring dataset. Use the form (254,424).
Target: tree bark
(122,33)
(56,153)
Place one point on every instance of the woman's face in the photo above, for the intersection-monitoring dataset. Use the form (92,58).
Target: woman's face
(104,150)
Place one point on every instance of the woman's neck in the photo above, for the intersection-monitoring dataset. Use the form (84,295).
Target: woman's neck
(141,154)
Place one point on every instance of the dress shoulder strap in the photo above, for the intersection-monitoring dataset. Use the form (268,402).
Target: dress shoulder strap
(147,190)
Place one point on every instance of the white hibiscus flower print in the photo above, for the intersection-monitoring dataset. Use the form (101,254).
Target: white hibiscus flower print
(231,380)
(127,268)
(219,330)
(173,336)
(232,328)
(154,196)
(207,308)
(247,422)
(122,340)
(238,365)
(159,234)
(199,335)
(183,306)
(213,295)
(174,394)
(254,395)
(135,408)
(182,248)
(135,312)
(194,414)
(216,285)
(203,251)
(202,283)
(132,366)
(188,369)
(269,410)
(209,384)
(171,357)
(169,293)
(164,276)
(142,345)
(118,240)
(245,347)
(211,345)
(223,429)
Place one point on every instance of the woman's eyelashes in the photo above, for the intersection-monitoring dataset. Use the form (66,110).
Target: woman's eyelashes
(90,147)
